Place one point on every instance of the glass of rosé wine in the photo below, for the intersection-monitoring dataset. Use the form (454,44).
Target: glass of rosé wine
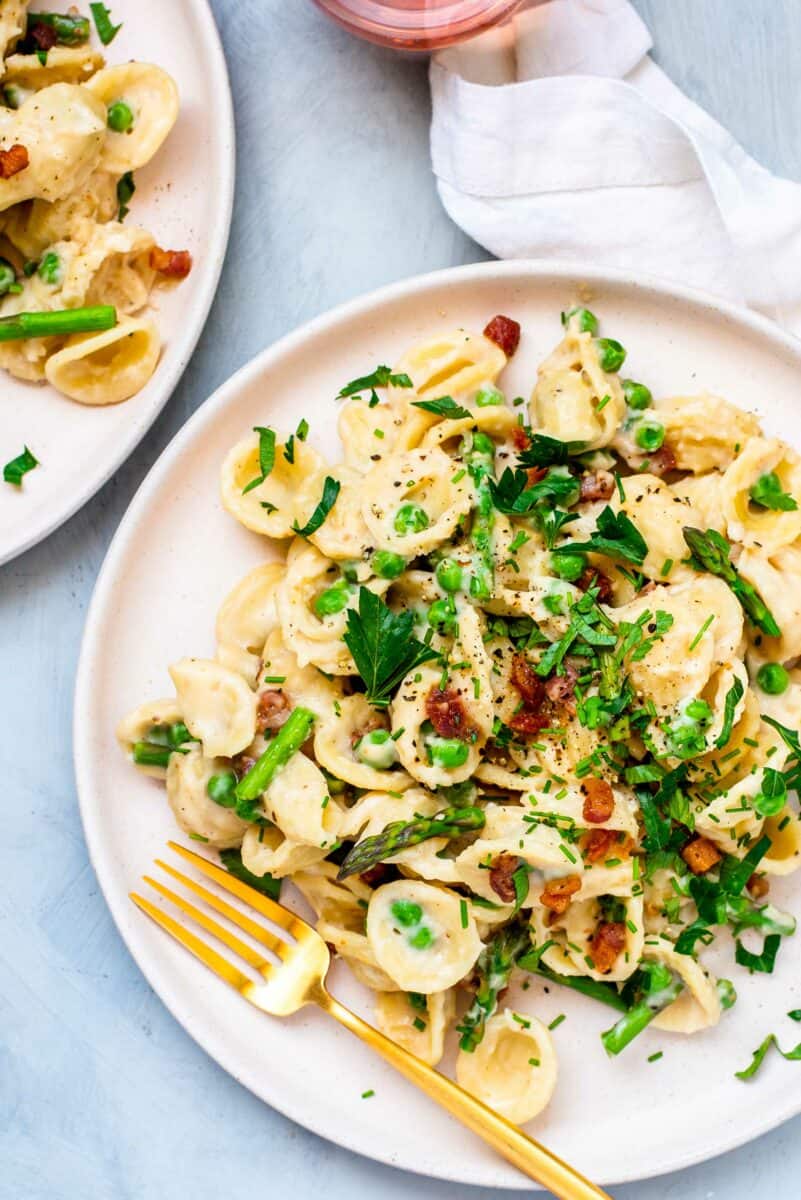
(417,24)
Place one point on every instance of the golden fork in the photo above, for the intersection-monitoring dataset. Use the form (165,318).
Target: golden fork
(298,978)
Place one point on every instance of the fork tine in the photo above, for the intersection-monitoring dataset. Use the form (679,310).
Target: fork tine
(263,904)
(256,931)
(213,927)
(219,965)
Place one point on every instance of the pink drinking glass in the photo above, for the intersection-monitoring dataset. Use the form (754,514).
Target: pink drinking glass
(417,24)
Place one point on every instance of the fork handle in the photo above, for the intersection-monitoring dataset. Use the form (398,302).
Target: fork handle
(527,1155)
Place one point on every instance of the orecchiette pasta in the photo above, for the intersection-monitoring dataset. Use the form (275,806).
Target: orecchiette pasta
(198,815)
(420,936)
(514,1069)
(152,97)
(513,698)
(218,706)
(247,616)
(270,507)
(575,400)
(106,368)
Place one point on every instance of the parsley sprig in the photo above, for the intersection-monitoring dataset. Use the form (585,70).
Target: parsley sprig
(545,451)
(514,495)
(380,377)
(616,536)
(18,467)
(445,406)
(266,457)
(383,646)
(331,489)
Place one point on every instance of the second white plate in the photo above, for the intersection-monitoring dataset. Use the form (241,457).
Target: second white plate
(175,556)
(184,197)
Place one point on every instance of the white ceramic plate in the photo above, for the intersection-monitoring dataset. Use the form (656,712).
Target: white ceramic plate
(184,196)
(173,559)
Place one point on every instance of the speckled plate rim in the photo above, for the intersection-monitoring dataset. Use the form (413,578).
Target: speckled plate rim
(182,345)
(529,272)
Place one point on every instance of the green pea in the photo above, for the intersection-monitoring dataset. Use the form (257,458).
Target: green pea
(649,436)
(332,600)
(8,277)
(638,396)
(406,912)
(377,749)
(442,614)
(772,795)
(177,734)
(727,993)
(222,789)
(422,939)
(119,117)
(568,566)
(50,269)
(611,354)
(768,806)
(487,396)
(448,752)
(483,443)
(410,518)
(450,575)
(773,678)
(581,319)
(698,710)
(388,565)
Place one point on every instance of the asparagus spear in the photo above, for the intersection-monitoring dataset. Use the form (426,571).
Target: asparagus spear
(70,30)
(709,551)
(59,323)
(658,988)
(287,741)
(398,835)
(480,460)
(495,965)
(606,993)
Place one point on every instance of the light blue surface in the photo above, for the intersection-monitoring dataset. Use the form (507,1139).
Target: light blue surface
(101,1093)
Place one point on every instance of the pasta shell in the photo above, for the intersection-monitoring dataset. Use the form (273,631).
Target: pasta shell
(108,367)
(152,97)
(217,705)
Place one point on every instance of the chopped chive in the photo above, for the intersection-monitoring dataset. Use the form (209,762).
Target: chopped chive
(655,1057)
(667,566)
(366,1095)
(275,678)
(463,913)
(557,1021)
(702,631)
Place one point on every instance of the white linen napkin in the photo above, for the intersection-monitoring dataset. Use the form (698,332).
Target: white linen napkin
(556,136)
